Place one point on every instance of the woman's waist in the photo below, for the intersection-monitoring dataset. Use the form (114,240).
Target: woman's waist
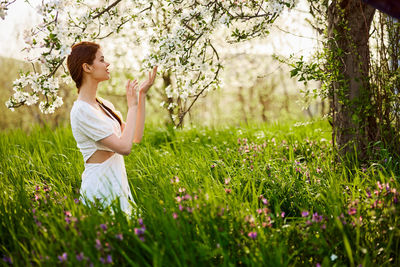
(100,156)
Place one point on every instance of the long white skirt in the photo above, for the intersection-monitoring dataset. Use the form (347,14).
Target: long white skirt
(105,182)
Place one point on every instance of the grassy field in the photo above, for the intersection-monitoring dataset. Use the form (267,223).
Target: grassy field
(261,195)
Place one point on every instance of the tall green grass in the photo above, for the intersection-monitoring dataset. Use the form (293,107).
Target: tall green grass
(262,195)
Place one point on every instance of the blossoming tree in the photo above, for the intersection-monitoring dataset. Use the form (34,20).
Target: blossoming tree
(179,35)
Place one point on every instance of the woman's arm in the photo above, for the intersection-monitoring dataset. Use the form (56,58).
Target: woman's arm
(140,117)
(143,89)
(133,130)
(123,144)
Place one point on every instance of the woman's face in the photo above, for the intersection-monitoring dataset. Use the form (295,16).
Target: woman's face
(100,67)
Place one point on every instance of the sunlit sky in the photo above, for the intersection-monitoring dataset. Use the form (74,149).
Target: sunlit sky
(21,16)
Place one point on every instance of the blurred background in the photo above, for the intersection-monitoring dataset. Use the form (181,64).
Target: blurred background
(256,87)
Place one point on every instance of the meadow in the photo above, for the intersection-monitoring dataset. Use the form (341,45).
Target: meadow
(253,195)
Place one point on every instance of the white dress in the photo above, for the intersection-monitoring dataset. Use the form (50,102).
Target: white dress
(104,181)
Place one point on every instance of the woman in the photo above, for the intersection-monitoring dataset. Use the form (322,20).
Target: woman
(101,134)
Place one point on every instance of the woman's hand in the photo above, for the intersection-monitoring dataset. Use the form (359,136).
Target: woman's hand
(145,86)
(131,93)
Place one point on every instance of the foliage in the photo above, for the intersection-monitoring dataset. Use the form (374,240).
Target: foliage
(179,34)
(256,195)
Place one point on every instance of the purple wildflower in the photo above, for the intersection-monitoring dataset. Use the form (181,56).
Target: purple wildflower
(264,201)
(98,244)
(80,256)
(252,235)
(283,214)
(119,236)
(109,259)
(102,260)
(175,215)
(304,213)
(76,200)
(63,257)
(7,259)
(316,218)
(103,226)
(140,231)
(140,220)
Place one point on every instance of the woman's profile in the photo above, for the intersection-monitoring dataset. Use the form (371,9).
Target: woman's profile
(99,130)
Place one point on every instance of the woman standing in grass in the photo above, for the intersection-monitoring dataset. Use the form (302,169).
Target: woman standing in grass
(101,134)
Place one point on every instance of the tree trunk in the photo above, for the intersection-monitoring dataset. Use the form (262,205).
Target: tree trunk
(349,22)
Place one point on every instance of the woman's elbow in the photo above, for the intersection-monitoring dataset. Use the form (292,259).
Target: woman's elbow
(127,150)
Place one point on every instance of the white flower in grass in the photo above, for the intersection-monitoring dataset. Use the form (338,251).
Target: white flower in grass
(333,257)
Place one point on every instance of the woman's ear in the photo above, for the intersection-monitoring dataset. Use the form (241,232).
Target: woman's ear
(86,67)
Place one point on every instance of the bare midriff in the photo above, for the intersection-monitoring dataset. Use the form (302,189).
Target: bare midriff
(100,156)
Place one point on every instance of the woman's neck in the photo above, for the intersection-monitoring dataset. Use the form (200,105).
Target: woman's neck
(87,92)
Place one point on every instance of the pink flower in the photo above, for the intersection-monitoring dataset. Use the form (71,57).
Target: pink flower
(174,215)
(352,211)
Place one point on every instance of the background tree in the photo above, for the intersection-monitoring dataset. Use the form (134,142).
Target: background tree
(362,110)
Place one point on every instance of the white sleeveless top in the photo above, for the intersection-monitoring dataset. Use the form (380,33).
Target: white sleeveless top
(89,125)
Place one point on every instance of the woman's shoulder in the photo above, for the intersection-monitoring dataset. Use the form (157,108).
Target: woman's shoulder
(79,109)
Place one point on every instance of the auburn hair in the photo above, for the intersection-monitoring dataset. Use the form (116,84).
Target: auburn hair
(84,52)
